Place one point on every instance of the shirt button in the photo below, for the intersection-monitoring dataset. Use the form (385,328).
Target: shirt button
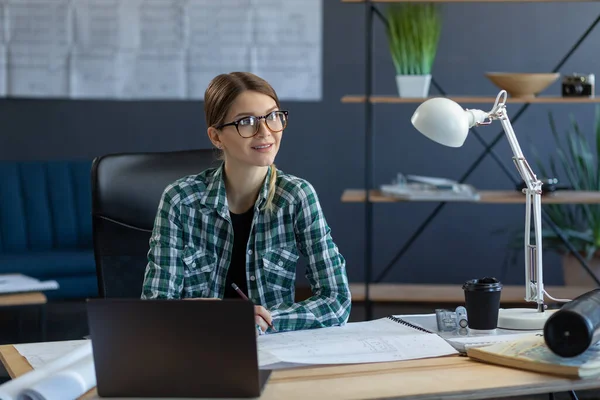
(252,278)
(193,264)
(250,252)
(280,263)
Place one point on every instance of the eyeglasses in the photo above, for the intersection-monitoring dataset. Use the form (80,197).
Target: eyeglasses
(247,127)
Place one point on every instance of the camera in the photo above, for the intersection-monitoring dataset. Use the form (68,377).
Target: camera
(578,85)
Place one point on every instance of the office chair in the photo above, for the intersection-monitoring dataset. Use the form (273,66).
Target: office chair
(126,190)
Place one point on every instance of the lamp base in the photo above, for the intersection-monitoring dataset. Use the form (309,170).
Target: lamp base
(522,318)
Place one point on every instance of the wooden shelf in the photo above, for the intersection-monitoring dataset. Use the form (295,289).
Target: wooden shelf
(470,1)
(473,99)
(447,293)
(487,196)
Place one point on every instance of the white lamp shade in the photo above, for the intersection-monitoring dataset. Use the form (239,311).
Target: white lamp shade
(442,120)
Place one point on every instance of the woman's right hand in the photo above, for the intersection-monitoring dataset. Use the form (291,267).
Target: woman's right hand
(262,317)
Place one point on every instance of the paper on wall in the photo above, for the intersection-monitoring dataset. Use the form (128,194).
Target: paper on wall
(3,74)
(3,51)
(159,49)
(288,52)
(157,69)
(39,38)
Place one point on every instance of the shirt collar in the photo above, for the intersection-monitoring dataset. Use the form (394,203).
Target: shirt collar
(215,196)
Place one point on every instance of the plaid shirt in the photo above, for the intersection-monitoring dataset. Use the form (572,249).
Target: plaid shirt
(192,242)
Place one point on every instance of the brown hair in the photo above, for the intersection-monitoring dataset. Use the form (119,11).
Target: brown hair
(220,95)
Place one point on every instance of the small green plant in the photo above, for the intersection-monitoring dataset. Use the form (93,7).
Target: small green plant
(413,31)
(578,159)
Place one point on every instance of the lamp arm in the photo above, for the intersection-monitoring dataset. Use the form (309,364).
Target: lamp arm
(534,287)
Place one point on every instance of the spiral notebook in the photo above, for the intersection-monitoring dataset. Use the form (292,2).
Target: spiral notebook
(462,339)
(385,339)
(403,321)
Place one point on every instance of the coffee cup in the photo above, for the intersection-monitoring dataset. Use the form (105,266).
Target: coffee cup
(482,301)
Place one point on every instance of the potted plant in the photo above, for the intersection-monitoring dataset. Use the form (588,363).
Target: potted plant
(578,161)
(413,31)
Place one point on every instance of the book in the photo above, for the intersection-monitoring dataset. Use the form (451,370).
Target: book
(19,283)
(382,340)
(531,353)
(419,188)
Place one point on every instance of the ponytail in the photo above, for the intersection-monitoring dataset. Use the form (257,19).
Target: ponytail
(271,193)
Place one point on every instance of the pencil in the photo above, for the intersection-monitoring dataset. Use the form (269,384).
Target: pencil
(243,296)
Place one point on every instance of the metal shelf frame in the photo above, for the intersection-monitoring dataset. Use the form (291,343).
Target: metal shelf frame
(371,11)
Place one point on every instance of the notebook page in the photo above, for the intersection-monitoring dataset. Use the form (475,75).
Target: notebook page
(359,342)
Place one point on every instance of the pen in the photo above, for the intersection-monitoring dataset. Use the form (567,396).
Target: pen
(243,296)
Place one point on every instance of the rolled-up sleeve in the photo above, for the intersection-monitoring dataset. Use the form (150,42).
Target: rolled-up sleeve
(163,278)
(330,303)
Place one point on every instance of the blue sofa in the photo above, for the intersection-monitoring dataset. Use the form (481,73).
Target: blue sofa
(46,224)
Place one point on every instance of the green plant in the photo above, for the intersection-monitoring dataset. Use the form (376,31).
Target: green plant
(413,31)
(578,159)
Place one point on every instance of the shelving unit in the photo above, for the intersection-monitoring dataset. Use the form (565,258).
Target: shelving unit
(466,1)
(354,195)
(487,197)
(473,100)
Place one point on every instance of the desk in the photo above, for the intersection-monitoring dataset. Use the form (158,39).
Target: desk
(455,377)
(17,300)
(22,299)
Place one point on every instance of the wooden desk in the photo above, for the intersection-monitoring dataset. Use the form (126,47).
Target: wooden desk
(453,377)
(22,299)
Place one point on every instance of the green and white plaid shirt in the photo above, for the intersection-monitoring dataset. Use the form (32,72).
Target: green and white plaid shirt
(192,242)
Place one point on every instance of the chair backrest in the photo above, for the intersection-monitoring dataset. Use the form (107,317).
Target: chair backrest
(126,191)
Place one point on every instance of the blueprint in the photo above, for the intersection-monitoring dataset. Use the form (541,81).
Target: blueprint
(157,49)
(358,342)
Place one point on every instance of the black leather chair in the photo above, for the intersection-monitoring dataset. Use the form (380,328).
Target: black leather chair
(126,190)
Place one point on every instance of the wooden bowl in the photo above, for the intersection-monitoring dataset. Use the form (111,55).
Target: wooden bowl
(522,84)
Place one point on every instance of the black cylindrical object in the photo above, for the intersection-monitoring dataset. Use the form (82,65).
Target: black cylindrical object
(575,327)
(482,301)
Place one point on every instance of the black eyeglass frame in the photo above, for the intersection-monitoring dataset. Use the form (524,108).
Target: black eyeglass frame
(237,122)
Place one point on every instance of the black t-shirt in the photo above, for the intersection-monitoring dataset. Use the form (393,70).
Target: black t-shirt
(242,223)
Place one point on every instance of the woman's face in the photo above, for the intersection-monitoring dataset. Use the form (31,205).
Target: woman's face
(258,150)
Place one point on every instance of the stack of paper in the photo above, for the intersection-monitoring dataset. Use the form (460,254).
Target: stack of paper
(18,283)
(66,377)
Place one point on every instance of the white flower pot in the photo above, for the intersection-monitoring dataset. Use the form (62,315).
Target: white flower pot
(413,85)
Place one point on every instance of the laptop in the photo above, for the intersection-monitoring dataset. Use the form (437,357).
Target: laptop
(175,348)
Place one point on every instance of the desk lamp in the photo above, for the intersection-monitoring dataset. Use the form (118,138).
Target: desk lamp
(444,121)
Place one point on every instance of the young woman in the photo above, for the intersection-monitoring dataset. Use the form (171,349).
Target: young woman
(245,222)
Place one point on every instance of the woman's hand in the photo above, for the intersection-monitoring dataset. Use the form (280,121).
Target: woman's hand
(262,317)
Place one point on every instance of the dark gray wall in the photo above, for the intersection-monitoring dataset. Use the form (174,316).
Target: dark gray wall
(324,141)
